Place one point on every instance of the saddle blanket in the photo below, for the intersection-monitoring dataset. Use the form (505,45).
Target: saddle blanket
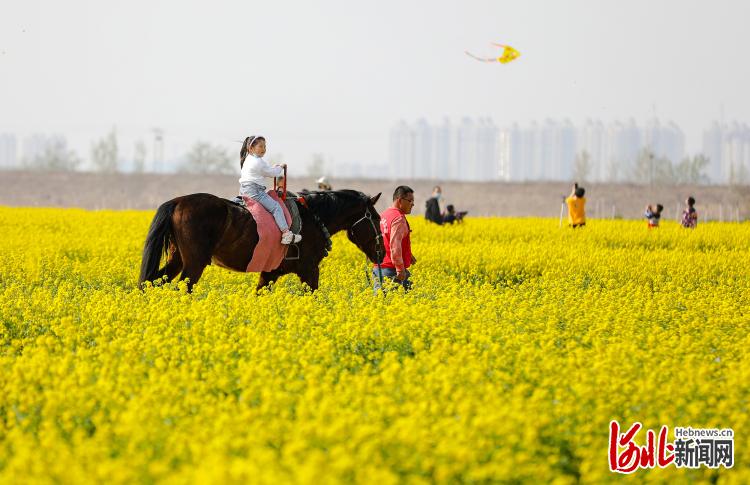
(269,252)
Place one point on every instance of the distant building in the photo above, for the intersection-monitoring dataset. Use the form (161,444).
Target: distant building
(443,141)
(664,141)
(727,147)
(539,152)
(623,143)
(8,152)
(401,151)
(592,140)
(713,140)
(423,150)
(467,151)
(475,149)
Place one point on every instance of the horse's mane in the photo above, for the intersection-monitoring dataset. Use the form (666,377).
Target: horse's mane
(328,203)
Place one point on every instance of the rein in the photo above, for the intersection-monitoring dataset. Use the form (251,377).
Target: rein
(378,237)
(329,242)
(367,217)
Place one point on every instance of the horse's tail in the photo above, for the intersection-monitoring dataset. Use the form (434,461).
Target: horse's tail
(157,242)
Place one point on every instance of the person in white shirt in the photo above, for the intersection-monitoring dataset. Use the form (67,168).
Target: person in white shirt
(254,171)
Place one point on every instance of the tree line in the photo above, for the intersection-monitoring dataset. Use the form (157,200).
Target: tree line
(650,169)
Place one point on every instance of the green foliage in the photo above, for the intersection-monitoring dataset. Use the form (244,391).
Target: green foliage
(55,157)
(692,170)
(206,158)
(104,153)
(652,170)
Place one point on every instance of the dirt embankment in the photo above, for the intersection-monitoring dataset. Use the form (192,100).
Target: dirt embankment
(147,191)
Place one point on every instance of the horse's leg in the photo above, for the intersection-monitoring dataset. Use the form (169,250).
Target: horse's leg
(266,278)
(195,252)
(195,259)
(193,272)
(310,277)
(173,265)
(197,230)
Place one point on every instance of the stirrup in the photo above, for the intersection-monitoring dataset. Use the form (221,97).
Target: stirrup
(293,257)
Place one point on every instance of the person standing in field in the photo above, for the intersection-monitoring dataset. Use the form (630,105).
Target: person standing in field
(653,216)
(397,239)
(323,184)
(576,207)
(432,207)
(689,215)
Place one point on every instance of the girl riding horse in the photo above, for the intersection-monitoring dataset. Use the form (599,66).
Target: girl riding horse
(252,177)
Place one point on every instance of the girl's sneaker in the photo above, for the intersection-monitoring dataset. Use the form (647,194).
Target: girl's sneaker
(288,237)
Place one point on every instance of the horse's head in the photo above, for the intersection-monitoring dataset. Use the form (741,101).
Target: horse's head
(364,229)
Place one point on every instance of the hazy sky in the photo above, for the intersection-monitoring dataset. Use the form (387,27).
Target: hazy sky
(334,76)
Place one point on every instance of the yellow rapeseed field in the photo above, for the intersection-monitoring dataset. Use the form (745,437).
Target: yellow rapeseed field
(518,345)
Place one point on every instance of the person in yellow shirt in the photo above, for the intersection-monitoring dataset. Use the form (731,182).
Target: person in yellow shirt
(576,207)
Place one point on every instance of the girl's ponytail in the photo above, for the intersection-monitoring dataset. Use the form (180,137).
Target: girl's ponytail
(244,150)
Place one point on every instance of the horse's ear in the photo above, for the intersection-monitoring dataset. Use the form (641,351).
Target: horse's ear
(373,200)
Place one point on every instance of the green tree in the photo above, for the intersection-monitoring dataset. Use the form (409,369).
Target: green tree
(206,158)
(650,169)
(139,157)
(692,170)
(104,153)
(55,157)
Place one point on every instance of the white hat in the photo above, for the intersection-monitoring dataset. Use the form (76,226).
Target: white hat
(323,180)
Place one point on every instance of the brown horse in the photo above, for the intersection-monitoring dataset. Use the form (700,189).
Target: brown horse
(195,230)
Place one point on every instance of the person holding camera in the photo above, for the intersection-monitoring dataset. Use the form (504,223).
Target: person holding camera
(576,207)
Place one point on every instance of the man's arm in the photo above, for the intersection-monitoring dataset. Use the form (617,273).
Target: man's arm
(398,231)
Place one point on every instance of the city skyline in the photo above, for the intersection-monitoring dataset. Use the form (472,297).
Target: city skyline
(466,149)
(549,150)
(84,67)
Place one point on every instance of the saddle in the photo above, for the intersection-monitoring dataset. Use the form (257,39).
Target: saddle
(269,252)
(291,204)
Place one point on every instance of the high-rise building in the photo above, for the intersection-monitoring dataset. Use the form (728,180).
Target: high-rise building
(443,141)
(591,138)
(423,150)
(8,151)
(664,141)
(621,148)
(467,151)
(507,153)
(727,147)
(539,152)
(736,154)
(488,152)
(401,151)
(713,139)
(476,150)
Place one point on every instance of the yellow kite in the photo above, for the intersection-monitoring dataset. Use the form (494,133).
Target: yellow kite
(509,54)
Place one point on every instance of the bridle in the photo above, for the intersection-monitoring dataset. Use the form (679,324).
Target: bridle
(377,236)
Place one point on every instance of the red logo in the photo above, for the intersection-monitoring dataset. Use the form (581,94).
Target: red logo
(653,453)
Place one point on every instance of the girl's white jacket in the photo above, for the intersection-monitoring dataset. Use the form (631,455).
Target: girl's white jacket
(255,170)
